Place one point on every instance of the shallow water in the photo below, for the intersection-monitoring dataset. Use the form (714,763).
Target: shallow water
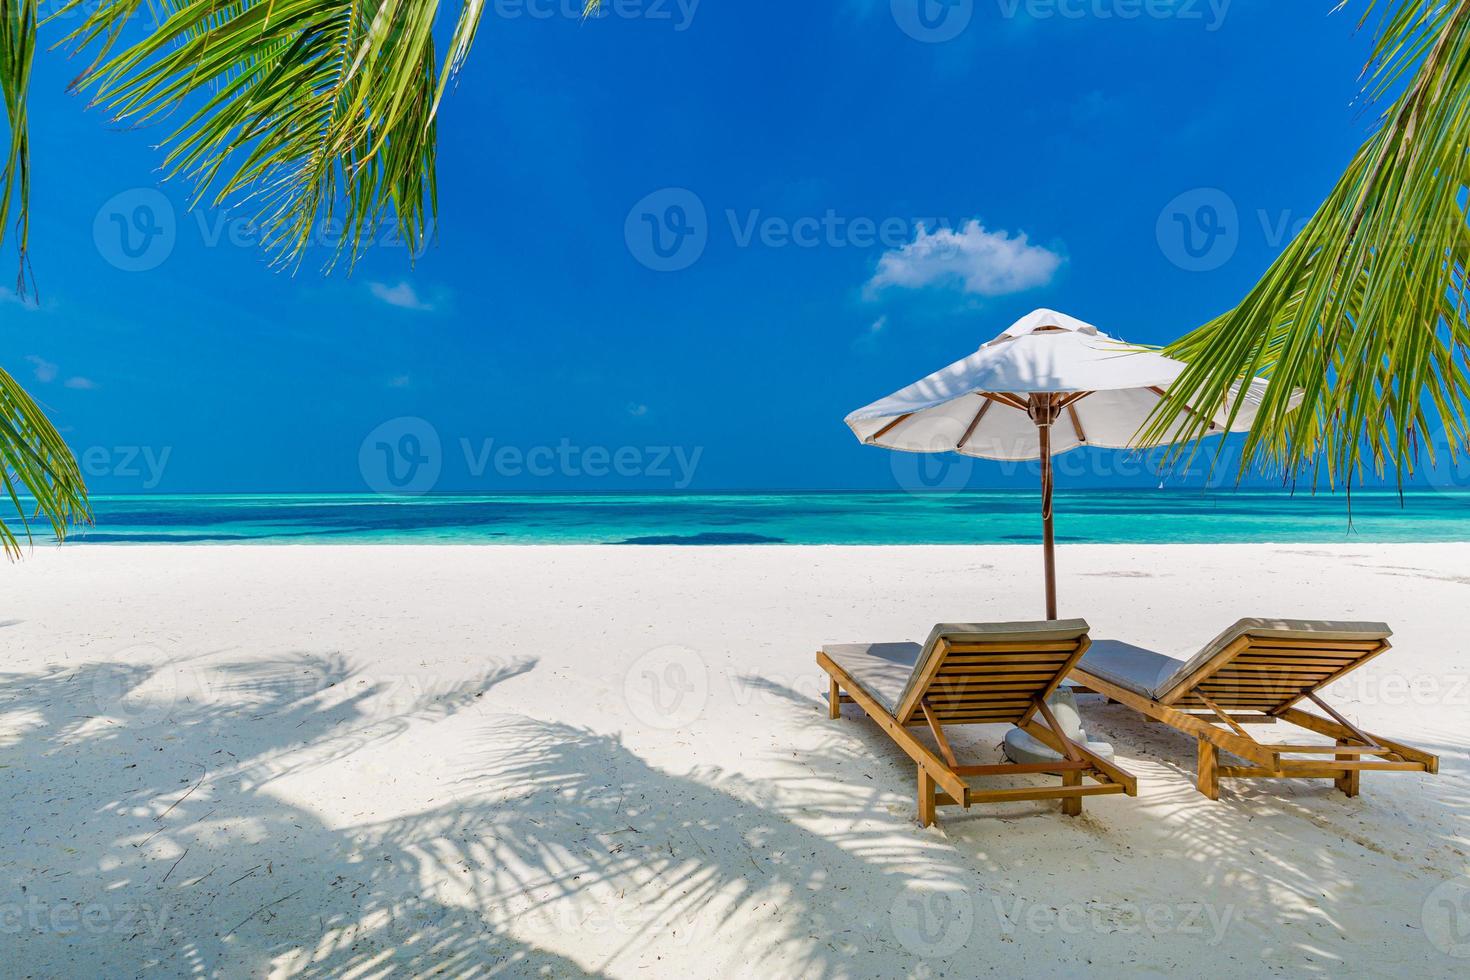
(969,517)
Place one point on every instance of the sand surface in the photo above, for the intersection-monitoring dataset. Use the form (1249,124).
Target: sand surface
(374,761)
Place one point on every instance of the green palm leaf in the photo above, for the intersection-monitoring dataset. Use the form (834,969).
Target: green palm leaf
(17,45)
(35,463)
(1363,316)
(320,114)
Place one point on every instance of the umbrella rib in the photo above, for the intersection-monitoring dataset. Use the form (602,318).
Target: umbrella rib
(985,404)
(889,427)
(1075,396)
(1187,408)
(1005,399)
(1076,423)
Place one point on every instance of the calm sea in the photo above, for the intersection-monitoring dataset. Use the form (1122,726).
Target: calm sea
(971,517)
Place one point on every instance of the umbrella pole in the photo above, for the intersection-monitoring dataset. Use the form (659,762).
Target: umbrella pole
(1048,542)
(1043,411)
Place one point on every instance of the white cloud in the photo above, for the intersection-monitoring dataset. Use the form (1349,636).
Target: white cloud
(984,263)
(868,339)
(80,383)
(399,381)
(45,370)
(637,410)
(29,303)
(403,296)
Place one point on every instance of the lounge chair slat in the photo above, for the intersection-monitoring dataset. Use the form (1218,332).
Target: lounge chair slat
(1011,708)
(1246,691)
(1029,793)
(1316,770)
(1258,679)
(941,696)
(1066,646)
(1020,670)
(1009,663)
(1269,673)
(1278,643)
(1314,660)
(953,691)
(1268,697)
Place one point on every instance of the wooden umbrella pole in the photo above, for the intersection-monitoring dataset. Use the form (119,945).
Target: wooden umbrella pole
(1043,412)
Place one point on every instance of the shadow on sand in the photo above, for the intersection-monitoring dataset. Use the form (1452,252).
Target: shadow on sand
(554,850)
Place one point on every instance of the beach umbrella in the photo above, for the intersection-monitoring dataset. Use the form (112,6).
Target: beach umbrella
(1047,385)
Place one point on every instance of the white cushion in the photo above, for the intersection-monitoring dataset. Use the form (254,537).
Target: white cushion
(880,669)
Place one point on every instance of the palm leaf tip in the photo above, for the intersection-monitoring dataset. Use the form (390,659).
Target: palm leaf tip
(37,466)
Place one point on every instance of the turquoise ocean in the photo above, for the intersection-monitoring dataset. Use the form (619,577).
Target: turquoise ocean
(891,518)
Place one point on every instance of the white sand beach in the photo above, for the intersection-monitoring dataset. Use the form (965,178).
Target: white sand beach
(582,761)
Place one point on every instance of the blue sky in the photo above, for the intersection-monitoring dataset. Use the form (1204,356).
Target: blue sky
(544,317)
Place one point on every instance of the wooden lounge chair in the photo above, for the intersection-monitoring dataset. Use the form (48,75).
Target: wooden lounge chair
(973,674)
(1255,673)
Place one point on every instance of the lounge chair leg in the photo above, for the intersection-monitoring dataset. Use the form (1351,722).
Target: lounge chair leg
(926,798)
(834,699)
(1209,769)
(1072,805)
(1348,781)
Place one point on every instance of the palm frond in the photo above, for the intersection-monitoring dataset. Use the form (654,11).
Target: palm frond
(317,114)
(35,463)
(1363,316)
(17,47)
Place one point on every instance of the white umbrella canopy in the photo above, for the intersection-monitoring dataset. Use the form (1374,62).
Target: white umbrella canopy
(1048,384)
(980,406)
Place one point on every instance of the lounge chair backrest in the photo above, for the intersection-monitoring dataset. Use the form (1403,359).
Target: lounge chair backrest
(1269,664)
(976,673)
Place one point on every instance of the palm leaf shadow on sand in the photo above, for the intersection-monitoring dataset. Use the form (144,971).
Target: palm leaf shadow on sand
(161,809)
(152,818)
(556,850)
